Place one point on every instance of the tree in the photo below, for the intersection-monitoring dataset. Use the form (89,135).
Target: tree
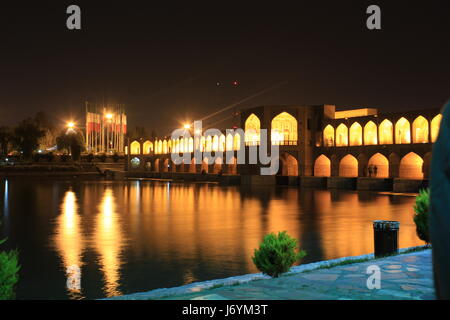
(5,140)
(72,141)
(26,137)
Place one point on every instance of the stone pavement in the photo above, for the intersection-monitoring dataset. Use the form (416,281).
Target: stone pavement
(405,276)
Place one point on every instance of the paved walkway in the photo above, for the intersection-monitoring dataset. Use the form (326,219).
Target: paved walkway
(405,276)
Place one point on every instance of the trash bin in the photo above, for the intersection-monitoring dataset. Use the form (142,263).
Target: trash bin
(385,237)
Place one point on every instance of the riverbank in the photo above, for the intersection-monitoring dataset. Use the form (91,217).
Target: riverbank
(407,275)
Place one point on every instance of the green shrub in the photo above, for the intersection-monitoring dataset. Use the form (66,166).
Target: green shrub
(421,209)
(277,254)
(9,273)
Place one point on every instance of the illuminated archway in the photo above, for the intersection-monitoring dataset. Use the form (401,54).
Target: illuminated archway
(232,166)
(160,147)
(205,165)
(215,143)
(386,132)
(156,166)
(411,166)
(378,166)
(322,166)
(218,165)
(166,166)
(289,165)
(222,143)
(356,134)
(208,147)
(341,135)
(191,145)
(229,142)
(435,125)
(348,166)
(192,166)
(370,134)
(148,147)
(237,141)
(284,129)
(164,146)
(420,130)
(135,147)
(402,131)
(252,130)
(328,136)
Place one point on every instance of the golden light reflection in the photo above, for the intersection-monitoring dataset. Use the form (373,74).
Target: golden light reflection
(70,244)
(108,242)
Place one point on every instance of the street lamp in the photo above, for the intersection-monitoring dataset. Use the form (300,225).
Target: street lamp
(187,126)
(70,125)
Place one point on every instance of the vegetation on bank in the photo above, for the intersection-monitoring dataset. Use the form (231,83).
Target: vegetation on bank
(9,273)
(277,254)
(421,215)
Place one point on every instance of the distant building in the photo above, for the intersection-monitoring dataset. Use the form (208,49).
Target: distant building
(106,127)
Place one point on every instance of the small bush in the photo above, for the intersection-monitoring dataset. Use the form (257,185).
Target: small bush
(9,269)
(277,254)
(421,209)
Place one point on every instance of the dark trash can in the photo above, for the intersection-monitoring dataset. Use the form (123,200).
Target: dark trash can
(385,237)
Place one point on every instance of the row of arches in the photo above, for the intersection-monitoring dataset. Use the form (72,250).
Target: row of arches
(283,130)
(217,167)
(421,131)
(411,166)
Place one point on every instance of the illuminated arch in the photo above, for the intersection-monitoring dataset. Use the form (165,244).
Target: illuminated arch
(164,147)
(379,165)
(252,130)
(386,132)
(420,130)
(229,142)
(328,136)
(191,144)
(218,165)
(135,147)
(322,166)
(232,166)
(148,147)
(169,145)
(348,166)
(237,141)
(160,146)
(166,166)
(222,143)
(289,165)
(208,147)
(411,166)
(202,144)
(402,131)
(215,143)
(156,166)
(192,166)
(356,134)
(370,134)
(205,165)
(341,135)
(284,129)
(435,125)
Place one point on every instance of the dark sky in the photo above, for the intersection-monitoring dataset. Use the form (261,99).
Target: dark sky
(164,60)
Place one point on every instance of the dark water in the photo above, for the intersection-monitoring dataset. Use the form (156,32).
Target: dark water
(132,236)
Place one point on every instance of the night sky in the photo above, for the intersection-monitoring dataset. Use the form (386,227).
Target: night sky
(170,63)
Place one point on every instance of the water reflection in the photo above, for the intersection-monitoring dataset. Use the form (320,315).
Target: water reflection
(108,242)
(70,243)
(135,236)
